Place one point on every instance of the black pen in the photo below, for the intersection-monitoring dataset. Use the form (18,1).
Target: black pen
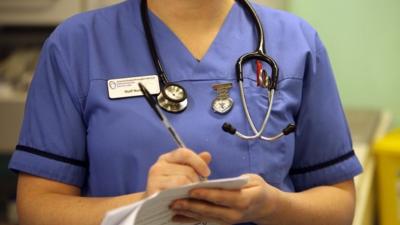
(164,120)
(162,117)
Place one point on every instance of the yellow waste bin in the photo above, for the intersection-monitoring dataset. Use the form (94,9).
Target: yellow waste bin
(387,152)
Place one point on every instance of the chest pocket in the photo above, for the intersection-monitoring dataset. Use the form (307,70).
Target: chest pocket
(273,160)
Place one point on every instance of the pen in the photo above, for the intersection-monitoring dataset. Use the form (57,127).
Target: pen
(162,117)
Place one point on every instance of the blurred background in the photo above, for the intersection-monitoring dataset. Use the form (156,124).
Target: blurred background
(363,41)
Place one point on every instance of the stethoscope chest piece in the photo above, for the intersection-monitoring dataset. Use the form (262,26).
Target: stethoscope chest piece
(223,103)
(173,98)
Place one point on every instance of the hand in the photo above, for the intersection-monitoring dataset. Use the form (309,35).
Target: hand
(253,203)
(179,167)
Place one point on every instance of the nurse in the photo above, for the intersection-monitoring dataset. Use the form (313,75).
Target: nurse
(82,153)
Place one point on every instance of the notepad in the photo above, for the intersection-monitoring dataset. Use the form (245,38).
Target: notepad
(155,209)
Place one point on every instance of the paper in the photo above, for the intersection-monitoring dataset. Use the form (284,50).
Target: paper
(155,210)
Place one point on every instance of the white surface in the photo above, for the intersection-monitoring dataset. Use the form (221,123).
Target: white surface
(155,209)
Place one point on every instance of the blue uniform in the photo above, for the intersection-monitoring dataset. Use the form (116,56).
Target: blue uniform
(73,133)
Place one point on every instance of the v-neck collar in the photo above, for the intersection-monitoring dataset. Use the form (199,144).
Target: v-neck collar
(178,62)
(169,31)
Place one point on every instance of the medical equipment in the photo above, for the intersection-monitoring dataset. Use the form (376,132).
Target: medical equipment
(163,118)
(173,97)
(261,55)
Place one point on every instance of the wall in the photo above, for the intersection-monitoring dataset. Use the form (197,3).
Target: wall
(280,4)
(363,39)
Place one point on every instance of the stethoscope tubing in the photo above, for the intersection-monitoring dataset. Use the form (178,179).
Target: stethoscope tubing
(151,43)
(259,53)
(260,30)
(257,133)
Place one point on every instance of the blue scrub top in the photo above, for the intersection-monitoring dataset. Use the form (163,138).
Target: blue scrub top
(73,133)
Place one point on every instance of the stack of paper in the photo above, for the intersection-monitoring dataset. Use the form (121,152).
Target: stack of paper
(155,210)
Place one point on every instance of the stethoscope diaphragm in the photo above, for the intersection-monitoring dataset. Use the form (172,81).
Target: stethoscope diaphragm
(172,98)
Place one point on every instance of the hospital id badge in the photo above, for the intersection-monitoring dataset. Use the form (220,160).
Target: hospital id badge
(129,87)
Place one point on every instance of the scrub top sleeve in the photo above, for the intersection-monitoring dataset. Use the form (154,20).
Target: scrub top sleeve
(52,140)
(323,152)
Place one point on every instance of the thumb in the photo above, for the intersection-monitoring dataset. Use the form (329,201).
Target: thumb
(206,156)
(253,179)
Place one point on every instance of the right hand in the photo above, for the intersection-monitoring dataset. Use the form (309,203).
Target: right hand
(176,168)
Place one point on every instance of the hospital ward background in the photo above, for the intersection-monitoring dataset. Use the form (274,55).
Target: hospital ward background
(363,42)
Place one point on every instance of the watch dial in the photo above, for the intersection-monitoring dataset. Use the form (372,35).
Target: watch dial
(222,105)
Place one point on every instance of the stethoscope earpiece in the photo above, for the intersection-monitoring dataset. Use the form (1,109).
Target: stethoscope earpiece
(289,129)
(228,128)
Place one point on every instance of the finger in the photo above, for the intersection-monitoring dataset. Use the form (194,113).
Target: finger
(253,180)
(222,197)
(166,182)
(196,218)
(172,170)
(201,210)
(206,156)
(179,218)
(187,157)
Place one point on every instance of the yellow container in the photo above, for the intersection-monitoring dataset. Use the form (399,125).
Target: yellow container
(387,152)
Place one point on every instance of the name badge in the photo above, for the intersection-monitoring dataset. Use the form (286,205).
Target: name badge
(129,87)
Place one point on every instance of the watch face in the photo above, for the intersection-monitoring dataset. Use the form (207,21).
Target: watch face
(222,105)
(175,92)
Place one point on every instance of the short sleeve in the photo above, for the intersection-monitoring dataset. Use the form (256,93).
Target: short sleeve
(52,142)
(323,147)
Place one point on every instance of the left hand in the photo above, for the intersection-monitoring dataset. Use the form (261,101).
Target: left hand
(253,203)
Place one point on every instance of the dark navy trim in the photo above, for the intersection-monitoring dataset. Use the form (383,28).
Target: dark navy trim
(319,166)
(52,156)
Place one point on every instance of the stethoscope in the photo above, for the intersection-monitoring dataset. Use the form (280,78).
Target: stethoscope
(173,97)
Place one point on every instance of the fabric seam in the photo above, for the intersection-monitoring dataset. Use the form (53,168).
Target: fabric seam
(52,156)
(323,165)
